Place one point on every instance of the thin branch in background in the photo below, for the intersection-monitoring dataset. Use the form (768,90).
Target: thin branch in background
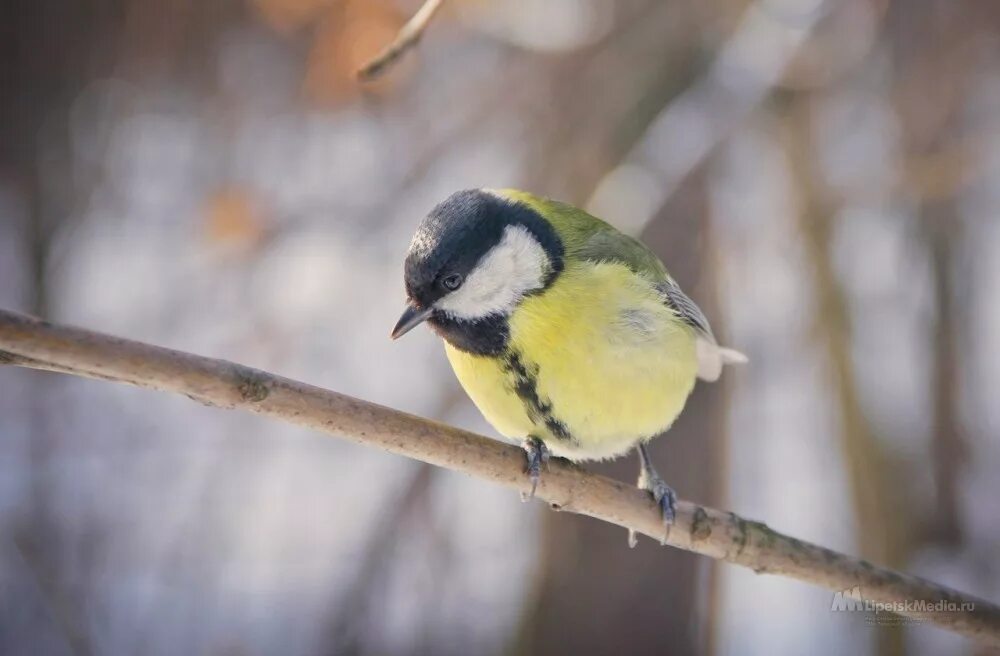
(942,223)
(407,38)
(699,529)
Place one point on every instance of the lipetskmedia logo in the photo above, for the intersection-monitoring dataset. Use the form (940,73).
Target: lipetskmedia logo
(852,600)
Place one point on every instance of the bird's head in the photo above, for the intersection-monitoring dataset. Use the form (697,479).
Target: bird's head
(473,259)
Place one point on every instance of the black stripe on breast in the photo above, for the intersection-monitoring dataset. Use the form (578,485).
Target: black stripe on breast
(524,380)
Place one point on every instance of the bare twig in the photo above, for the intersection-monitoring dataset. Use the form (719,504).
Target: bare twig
(408,37)
(726,536)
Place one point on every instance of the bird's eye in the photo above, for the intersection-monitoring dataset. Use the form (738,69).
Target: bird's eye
(452,282)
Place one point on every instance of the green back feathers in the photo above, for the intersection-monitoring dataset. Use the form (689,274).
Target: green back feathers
(588,238)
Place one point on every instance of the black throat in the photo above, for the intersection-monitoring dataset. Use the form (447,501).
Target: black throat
(486,336)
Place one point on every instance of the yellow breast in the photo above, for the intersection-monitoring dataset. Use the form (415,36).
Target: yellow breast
(597,354)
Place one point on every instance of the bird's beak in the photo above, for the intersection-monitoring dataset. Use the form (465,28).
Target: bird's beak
(412,316)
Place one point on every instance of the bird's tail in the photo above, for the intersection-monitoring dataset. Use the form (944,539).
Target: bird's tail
(712,357)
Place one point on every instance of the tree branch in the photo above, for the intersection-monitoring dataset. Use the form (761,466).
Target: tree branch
(37,344)
(408,37)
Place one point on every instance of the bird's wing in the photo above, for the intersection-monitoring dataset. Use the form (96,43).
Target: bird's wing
(685,308)
(711,356)
(589,238)
(608,244)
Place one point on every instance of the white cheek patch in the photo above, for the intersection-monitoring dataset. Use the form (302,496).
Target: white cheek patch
(509,270)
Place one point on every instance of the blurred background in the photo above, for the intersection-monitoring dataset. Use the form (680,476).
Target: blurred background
(822,176)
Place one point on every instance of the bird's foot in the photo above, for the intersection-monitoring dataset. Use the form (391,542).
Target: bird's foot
(662,494)
(537,455)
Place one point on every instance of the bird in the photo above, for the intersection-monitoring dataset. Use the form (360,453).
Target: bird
(567,334)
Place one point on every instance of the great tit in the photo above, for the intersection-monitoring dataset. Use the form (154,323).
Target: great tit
(566,333)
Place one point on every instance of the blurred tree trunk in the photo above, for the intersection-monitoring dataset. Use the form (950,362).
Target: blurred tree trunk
(874,481)
(935,172)
(596,596)
(50,50)
(46,55)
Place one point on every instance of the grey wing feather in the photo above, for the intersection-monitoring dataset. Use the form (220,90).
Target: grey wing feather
(711,356)
(685,308)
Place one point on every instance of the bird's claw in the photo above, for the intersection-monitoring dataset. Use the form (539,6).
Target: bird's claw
(666,499)
(663,495)
(537,454)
